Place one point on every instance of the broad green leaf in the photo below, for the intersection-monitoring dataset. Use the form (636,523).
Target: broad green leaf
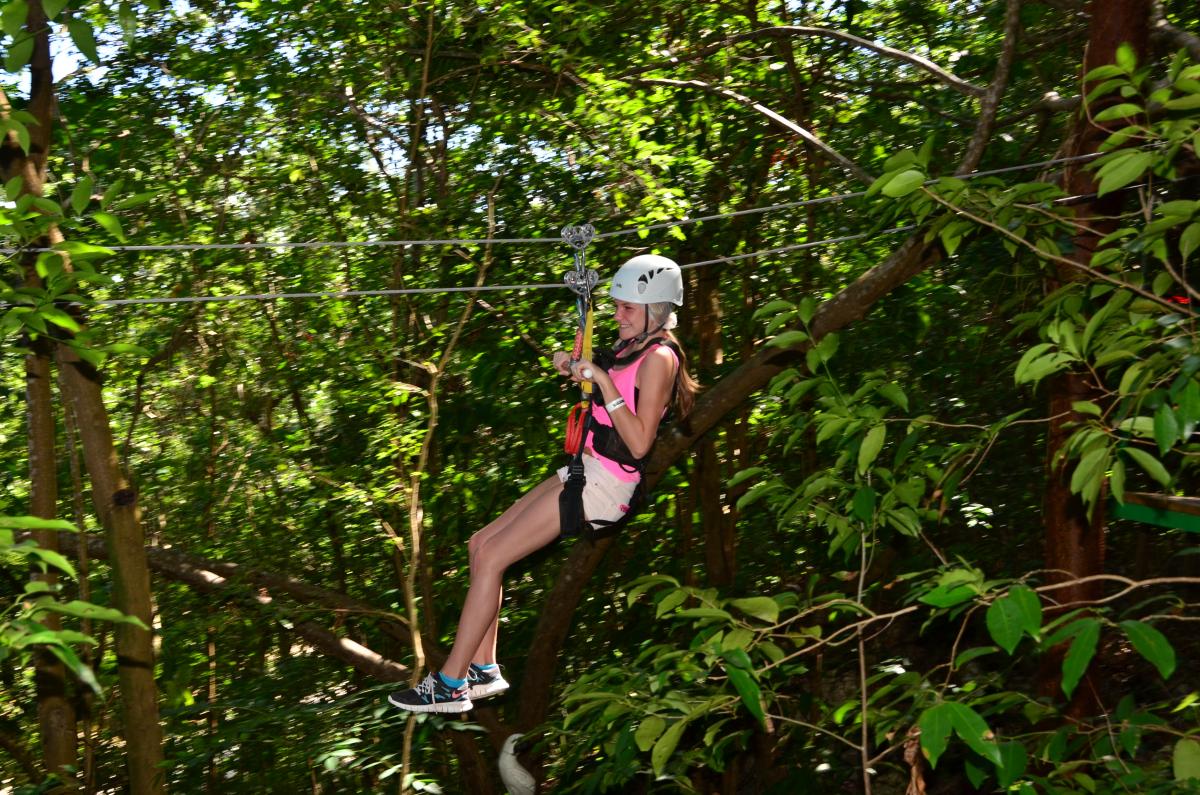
(1118,111)
(12,17)
(788,339)
(1149,463)
(1079,656)
(60,318)
(81,195)
(87,610)
(1189,241)
(748,689)
(1126,58)
(55,559)
(974,731)
(84,38)
(894,393)
(971,654)
(650,729)
(1002,624)
(935,728)
(1166,428)
(862,505)
(665,746)
(111,224)
(704,612)
(903,184)
(18,55)
(763,608)
(1185,761)
(872,443)
(1119,173)
(1190,102)
(1013,761)
(1151,644)
(54,7)
(81,670)
(34,523)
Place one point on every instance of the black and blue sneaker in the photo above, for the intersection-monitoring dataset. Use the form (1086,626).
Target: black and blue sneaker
(485,682)
(432,695)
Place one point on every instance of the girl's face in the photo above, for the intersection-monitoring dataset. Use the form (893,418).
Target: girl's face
(631,319)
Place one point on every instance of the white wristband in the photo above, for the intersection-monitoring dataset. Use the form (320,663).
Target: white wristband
(613,405)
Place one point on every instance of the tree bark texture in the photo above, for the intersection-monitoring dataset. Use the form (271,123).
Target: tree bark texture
(56,716)
(114,499)
(1075,541)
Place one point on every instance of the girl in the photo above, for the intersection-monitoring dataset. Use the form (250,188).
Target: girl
(645,376)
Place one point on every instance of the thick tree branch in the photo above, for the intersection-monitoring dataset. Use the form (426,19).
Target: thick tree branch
(792,31)
(834,155)
(1162,31)
(990,102)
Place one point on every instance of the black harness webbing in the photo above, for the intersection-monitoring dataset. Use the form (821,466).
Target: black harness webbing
(571,520)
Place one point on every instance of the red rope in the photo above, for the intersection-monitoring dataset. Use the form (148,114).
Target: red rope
(576,421)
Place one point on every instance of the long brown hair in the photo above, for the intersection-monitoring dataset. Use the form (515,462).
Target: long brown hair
(686,386)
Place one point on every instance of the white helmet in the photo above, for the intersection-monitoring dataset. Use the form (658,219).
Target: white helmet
(648,279)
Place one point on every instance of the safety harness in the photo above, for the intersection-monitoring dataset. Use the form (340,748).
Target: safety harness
(607,442)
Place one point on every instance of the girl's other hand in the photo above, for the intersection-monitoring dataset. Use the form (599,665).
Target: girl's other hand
(562,362)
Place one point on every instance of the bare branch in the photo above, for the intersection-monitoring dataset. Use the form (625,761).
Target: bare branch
(1163,31)
(790,31)
(791,126)
(991,100)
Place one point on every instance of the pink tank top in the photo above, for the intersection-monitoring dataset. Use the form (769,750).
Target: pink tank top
(625,380)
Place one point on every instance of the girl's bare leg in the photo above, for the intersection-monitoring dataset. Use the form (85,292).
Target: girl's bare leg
(530,524)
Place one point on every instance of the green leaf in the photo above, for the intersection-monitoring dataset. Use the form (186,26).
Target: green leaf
(665,745)
(872,443)
(87,610)
(1189,241)
(1190,102)
(1185,761)
(974,731)
(894,393)
(111,224)
(648,731)
(1004,624)
(84,38)
(1126,58)
(1166,428)
(748,689)
(1118,112)
(111,193)
(935,728)
(70,659)
(18,55)
(136,200)
(54,7)
(60,318)
(903,183)
(788,339)
(763,608)
(34,523)
(55,559)
(704,612)
(862,505)
(1149,464)
(1079,656)
(1120,172)
(81,195)
(12,17)
(1151,644)
(1013,761)
(12,188)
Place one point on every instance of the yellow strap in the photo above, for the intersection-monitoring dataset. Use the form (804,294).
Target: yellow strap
(587,346)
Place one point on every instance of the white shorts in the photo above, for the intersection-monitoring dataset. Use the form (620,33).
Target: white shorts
(605,497)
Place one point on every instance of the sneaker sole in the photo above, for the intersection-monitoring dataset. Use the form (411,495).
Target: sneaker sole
(488,690)
(445,707)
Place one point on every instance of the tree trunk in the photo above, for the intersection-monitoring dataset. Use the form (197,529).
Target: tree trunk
(1074,541)
(56,716)
(114,500)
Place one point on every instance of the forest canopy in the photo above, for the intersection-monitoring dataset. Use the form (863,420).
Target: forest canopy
(282,284)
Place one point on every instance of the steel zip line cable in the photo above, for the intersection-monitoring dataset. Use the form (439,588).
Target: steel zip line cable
(308,244)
